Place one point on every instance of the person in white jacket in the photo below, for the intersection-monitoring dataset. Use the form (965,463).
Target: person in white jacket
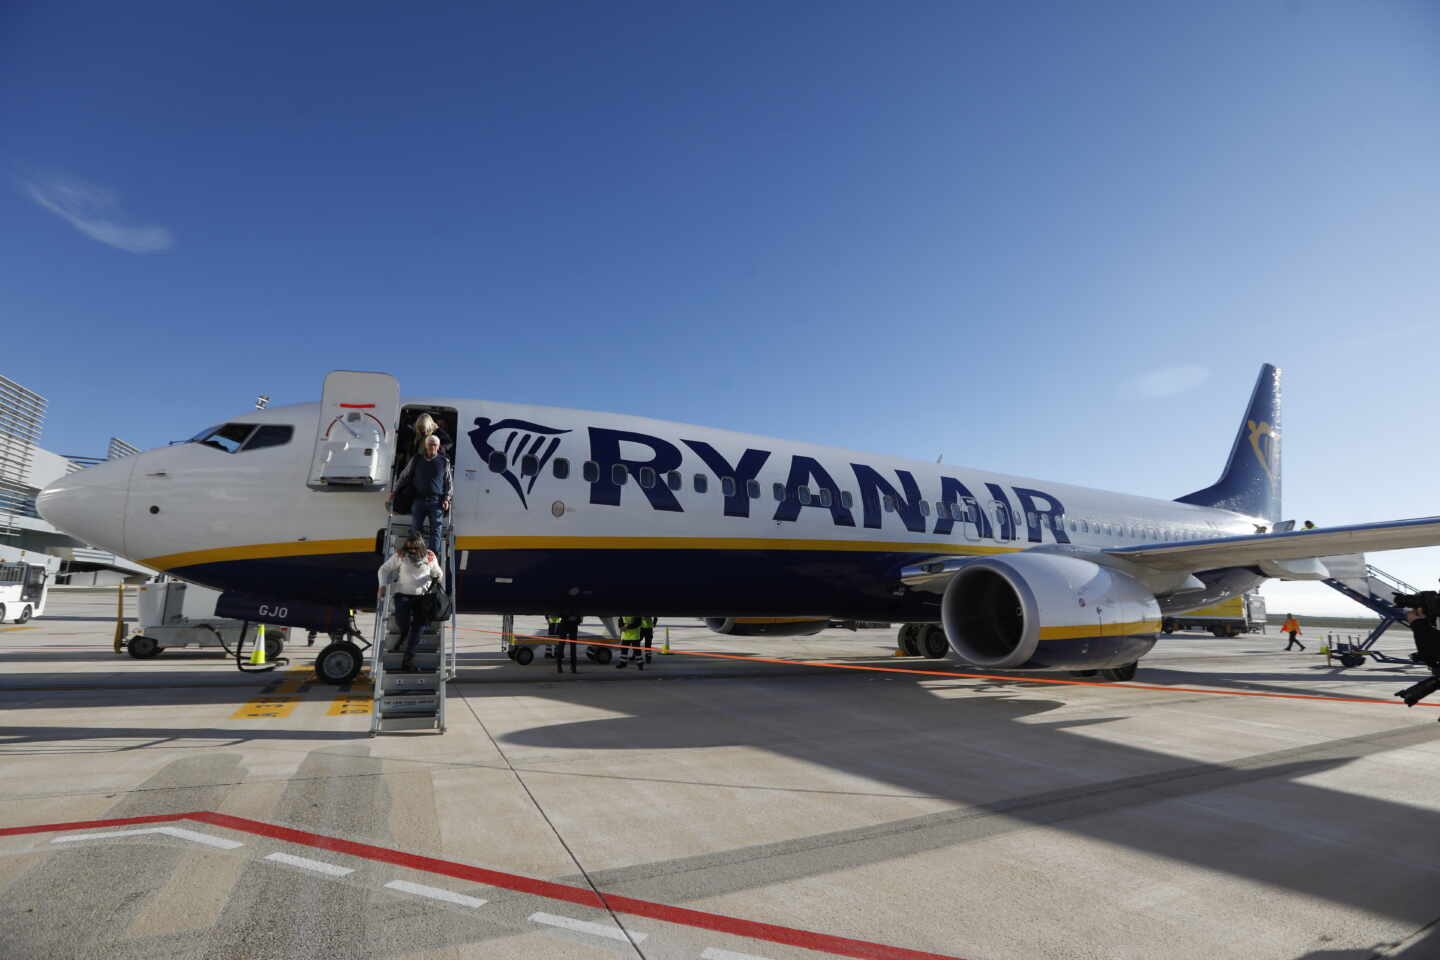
(411,570)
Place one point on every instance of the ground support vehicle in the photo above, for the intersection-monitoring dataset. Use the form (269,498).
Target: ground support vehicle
(174,613)
(25,579)
(1228,618)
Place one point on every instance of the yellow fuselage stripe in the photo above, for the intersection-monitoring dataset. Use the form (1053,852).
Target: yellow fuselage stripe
(310,548)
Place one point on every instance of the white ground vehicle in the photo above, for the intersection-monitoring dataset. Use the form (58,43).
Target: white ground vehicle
(25,578)
(174,613)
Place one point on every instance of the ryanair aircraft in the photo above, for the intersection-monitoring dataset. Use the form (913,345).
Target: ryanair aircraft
(570,511)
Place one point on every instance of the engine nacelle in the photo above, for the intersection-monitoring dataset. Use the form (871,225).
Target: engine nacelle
(766,626)
(1040,611)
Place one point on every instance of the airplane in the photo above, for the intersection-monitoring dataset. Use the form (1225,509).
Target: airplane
(573,511)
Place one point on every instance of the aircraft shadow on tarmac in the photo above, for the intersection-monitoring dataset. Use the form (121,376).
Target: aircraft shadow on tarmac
(1008,769)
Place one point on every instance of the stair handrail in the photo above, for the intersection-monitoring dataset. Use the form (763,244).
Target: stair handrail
(1389,579)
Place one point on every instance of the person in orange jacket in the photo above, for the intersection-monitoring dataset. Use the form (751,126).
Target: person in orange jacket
(1292,627)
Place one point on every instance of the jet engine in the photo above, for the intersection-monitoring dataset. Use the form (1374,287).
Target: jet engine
(766,627)
(1037,611)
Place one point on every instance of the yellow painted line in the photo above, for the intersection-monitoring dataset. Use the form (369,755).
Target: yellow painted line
(353,700)
(280,698)
(8,629)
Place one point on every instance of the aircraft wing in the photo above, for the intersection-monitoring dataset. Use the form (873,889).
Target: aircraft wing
(1247,551)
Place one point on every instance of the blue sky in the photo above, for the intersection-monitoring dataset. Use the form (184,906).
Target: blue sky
(1050,239)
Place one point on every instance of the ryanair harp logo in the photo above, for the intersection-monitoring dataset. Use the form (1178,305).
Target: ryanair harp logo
(1263,440)
(513,441)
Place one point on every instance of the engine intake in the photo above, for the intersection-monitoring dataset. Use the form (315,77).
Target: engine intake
(1046,612)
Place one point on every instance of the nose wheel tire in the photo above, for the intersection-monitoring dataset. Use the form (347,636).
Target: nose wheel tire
(143,647)
(337,664)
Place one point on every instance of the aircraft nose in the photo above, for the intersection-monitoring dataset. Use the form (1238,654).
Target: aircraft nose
(90,504)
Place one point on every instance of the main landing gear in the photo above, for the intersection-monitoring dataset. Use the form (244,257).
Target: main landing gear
(923,640)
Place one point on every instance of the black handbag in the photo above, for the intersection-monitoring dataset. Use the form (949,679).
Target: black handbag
(404,499)
(435,604)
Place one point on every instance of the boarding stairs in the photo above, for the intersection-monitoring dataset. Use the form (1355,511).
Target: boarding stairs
(413,700)
(1372,588)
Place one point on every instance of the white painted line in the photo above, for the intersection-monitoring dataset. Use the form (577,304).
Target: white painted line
(585,926)
(714,953)
(196,836)
(181,833)
(419,889)
(307,864)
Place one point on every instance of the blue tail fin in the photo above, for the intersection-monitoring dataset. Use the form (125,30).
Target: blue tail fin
(1250,483)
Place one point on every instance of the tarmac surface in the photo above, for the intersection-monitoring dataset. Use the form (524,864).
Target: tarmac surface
(714,809)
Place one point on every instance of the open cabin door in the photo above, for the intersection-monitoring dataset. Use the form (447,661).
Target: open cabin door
(356,438)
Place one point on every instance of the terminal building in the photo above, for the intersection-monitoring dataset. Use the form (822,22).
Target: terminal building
(25,469)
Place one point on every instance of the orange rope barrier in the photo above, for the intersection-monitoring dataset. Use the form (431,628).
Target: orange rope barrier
(590,642)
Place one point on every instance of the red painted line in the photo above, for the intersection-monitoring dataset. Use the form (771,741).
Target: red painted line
(357,406)
(583,896)
(92,824)
(591,642)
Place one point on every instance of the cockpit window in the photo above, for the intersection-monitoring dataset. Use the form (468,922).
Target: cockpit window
(228,437)
(269,435)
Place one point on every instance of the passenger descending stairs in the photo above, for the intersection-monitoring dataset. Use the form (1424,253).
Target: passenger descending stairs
(413,700)
(1372,588)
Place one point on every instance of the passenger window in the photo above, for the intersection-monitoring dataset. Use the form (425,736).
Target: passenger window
(846,500)
(702,483)
(561,468)
(269,435)
(889,502)
(727,486)
(825,497)
(924,508)
(1030,517)
(497,462)
(942,510)
(779,491)
(804,494)
(752,489)
(1084,526)
(529,465)
(674,480)
(228,437)
(590,470)
(647,477)
(618,474)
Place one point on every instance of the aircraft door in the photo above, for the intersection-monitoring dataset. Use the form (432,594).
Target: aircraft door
(969,517)
(355,442)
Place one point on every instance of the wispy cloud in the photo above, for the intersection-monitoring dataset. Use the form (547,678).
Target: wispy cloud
(96,212)
(1168,381)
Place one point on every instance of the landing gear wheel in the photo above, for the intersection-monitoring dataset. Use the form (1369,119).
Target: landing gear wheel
(24,614)
(603,655)
(143,647)
(909,639)
(933,643)
(338,663)
(1352,659)
(274,646)
(1120,674)
(523,655)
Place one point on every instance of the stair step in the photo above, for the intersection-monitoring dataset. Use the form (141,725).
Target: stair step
(411,683)
(408,723)
(424,660)
(428,703)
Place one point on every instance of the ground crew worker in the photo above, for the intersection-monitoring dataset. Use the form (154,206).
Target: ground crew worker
(1292,627)
(647,634)
(1309,525)
(630,637)
(566,628)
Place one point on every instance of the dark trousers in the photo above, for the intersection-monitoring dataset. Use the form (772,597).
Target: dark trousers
(1295,640)
(563,632)
(411,624)
(647,638)
(428,508)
